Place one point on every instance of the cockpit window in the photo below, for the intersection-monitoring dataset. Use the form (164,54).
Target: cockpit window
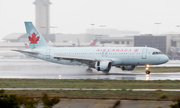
(155,53)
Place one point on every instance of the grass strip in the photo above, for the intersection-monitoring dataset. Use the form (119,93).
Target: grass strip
(119,94)
(89,83)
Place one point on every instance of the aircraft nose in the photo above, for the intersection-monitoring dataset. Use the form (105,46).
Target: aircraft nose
(166,59)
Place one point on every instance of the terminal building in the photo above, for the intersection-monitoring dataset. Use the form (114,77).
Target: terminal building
(114,37)
(169,44)
(159,42)
(175,46)
(127,41)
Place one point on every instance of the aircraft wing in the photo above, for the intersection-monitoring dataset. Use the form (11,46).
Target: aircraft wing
(30,52)
(88,61)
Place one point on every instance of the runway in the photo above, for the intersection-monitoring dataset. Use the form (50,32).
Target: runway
(87,89)
(38,69)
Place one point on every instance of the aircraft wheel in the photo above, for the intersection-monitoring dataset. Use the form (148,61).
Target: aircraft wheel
(148,72)
(89,70)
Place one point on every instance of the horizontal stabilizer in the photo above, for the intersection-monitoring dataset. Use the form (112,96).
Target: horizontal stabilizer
(30,52)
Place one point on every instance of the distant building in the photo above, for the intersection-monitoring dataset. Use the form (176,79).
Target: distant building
(127,41)
(16,37)
(22,37)
(175,40)
(160,42)
(42,16)
(72,39)
(112,32)
(114,37)
(175,46)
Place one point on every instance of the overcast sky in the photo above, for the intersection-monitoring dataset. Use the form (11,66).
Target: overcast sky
(75,16)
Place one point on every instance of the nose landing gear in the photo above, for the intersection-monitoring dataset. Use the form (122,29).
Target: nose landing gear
(147,69)
(148,72)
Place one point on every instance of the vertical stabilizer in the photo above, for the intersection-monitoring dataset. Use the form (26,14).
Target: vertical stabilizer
(34,37)
(93,43)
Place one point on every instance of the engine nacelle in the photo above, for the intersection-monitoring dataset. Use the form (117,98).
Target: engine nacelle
(128,68)
(104,66)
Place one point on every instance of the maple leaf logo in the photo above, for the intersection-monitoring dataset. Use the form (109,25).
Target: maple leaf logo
(33,39)
(136,50)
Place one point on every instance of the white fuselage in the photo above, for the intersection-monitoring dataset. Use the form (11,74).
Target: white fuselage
(118,55)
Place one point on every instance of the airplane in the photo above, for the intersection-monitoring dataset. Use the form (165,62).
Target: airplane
(99,58)
(26,45)
(93,43)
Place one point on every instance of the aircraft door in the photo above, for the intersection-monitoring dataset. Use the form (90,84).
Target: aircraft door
(104,54)
(48,53)
(144,54)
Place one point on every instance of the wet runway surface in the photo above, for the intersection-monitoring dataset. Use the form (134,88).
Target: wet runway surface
(87,89)
(35,69)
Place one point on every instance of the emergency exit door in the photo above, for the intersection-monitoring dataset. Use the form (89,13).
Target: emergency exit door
(144,54)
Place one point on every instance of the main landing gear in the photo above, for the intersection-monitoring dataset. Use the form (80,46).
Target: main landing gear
(89,70)
(147,69)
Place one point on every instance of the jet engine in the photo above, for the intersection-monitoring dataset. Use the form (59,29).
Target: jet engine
(104,66)
(128,68)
